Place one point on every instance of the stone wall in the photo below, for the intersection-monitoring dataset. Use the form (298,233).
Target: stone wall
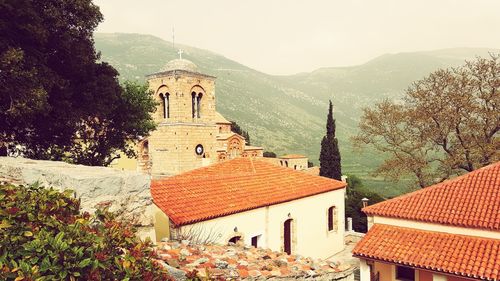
(127,193)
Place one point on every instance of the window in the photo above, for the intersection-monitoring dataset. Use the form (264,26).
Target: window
(295,167)
(255,241)
(193,104)
(234,239)
(198,104)
(166,104)
(405,273)
(332,219)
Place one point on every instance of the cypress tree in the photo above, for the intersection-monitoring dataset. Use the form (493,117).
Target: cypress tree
(329,157)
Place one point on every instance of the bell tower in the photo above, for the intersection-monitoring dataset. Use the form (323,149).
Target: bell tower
(185,137)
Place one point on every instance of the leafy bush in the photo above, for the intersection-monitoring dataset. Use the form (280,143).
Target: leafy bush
(43,236)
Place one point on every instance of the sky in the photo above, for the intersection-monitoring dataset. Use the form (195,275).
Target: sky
(289,36)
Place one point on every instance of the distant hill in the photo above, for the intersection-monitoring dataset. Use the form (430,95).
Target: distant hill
(287,114)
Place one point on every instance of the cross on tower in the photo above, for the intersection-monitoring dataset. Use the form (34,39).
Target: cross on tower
(180,53)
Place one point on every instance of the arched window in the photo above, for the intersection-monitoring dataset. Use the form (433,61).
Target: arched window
(198,104)
(163,105)
(332,219)
(193,103)
(287,236)
(166,104)
(235,239)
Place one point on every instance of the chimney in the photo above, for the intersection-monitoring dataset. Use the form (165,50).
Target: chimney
(365,202)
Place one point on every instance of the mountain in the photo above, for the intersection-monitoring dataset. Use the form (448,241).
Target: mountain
(287,114)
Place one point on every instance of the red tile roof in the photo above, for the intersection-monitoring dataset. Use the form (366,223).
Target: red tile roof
(450,253)
(471,200)
(233,186)
(293,156)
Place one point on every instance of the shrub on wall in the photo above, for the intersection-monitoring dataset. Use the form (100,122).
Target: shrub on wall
(44,236)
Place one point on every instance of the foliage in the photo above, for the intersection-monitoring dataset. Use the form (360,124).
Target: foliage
(353,203)
(43,236)
(55,93)
(448,123)
(329,157)
(269,154)
(237,129)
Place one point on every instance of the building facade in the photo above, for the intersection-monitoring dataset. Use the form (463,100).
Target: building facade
(446,232)
(190,132)
(255,202)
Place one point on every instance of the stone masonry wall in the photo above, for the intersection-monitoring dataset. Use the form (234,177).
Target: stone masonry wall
(127,193)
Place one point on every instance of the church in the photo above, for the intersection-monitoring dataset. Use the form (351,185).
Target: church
(190,132)
(208,185)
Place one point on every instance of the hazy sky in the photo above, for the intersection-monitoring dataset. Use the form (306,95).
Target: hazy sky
(284,37)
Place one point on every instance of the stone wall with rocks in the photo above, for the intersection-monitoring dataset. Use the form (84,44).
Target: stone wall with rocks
(126,193)
(241,262)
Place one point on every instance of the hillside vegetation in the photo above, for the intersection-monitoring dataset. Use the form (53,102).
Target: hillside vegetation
(287,114)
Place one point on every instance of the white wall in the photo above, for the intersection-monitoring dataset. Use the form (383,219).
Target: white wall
(310,236)
(437,227)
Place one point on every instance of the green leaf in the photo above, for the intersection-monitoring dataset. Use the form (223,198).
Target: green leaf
(28,233)
(5,224)
(85,263)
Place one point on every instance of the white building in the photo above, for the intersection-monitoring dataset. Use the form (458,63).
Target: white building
(255,202)
(446,232)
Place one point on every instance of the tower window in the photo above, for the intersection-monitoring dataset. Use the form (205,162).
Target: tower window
(193,104)
(198,104)
(167,102)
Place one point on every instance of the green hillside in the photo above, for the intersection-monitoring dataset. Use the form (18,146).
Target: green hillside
(287,114)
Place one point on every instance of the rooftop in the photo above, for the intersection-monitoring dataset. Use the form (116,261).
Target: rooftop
(180,64)
(437,251)
(220,119)
(471,200)
(233,186)
(293,156)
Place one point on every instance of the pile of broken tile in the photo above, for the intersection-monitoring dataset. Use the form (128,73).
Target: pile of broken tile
(244,262)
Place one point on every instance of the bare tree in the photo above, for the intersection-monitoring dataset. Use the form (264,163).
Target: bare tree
(197,234)
(447,123)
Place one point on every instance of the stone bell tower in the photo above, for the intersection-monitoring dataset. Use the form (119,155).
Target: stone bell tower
(185,137)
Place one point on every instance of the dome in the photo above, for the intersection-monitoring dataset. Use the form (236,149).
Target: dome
(180,64)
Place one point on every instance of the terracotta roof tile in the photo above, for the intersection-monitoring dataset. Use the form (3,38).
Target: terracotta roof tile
(471,200)
(293,156)
(233,186)
(461,255)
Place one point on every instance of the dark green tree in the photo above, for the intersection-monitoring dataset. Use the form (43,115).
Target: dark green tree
(354,204)
(329,157)
(237,129)
(57,100)
(269,154)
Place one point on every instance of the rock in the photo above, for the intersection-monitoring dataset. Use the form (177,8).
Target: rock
(221,264)
(185,242)
(343,267)
(127,193)
(166,247)
(201,261)
(254,273)
(311,273)
(280,262)
(164,239)
(173,263)
(185,252)
(177,274)
(243,262)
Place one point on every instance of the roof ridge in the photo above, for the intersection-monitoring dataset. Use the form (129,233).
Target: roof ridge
(432,187)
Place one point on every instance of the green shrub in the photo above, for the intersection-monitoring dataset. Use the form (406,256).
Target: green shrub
(43,236)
